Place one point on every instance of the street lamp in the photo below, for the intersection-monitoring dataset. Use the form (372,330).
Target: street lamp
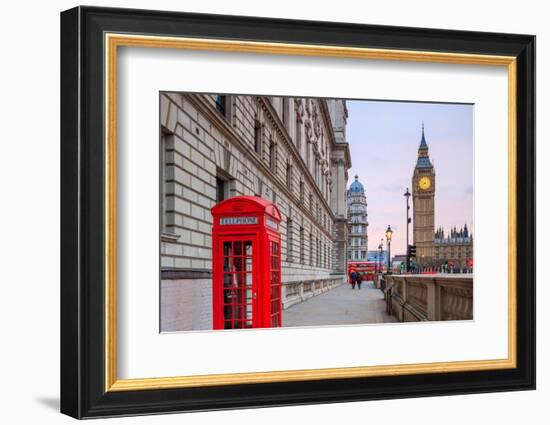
(380,256)
(407,195)
(389,233)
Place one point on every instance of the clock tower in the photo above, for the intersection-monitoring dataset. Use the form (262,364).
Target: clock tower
(423,185)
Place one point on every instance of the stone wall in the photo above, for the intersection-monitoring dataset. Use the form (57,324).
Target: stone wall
(297,291)
(186,302)
(413,298)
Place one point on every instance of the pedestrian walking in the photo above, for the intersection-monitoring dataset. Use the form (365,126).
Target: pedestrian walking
(353,277)
(359,279)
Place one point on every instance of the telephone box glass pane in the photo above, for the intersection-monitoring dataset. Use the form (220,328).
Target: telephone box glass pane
(227,249)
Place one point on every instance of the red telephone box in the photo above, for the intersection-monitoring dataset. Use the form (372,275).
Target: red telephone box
(246,269)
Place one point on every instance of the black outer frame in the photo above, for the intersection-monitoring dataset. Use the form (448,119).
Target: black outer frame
(82,206)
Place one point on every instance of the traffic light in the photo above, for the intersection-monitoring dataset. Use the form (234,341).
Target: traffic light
(411,252)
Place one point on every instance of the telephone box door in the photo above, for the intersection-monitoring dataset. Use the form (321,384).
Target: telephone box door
(236,300)
(275,302)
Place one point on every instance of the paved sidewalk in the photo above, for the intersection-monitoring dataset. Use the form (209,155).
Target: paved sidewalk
(340,306)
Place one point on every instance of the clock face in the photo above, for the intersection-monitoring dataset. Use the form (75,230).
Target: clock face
(425,183)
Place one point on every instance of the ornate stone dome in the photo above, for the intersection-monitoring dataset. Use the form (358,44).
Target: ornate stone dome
(356,186)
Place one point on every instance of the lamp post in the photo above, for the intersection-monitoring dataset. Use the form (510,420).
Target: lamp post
(389,233)
(379,265)
(407,195)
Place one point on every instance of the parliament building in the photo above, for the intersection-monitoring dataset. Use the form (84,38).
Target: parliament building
(456,247)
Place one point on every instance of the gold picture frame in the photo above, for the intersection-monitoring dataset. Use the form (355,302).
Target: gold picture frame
(114,41)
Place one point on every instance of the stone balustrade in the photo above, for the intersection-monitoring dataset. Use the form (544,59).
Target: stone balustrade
(298,291)
(413,298)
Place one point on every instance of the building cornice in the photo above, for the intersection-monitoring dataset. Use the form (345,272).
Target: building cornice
(267,106)
(334,144)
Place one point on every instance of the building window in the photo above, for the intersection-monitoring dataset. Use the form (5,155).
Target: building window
(311,249)
(273,156)
(310,201)
(301,190)
(289,175)
(221,104)
(225,186)
(302,248)
(222,189)
(289,239)
(318,246)
(258,130)
(163,177)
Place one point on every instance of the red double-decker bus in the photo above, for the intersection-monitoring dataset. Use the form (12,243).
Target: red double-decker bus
(367,268)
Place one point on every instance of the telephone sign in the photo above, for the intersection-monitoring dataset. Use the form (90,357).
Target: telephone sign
(238,220)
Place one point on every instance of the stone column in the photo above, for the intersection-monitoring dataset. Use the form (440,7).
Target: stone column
(341,183)
(433,300)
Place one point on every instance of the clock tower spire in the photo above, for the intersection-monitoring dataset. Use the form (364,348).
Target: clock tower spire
(423,185)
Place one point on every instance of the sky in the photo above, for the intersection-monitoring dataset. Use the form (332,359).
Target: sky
(384,138)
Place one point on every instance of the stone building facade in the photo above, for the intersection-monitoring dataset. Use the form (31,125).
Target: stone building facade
(358,240)
(292,151)
(456,247)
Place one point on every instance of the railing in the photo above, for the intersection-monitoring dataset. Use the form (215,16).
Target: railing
(429,297)
(298,291)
